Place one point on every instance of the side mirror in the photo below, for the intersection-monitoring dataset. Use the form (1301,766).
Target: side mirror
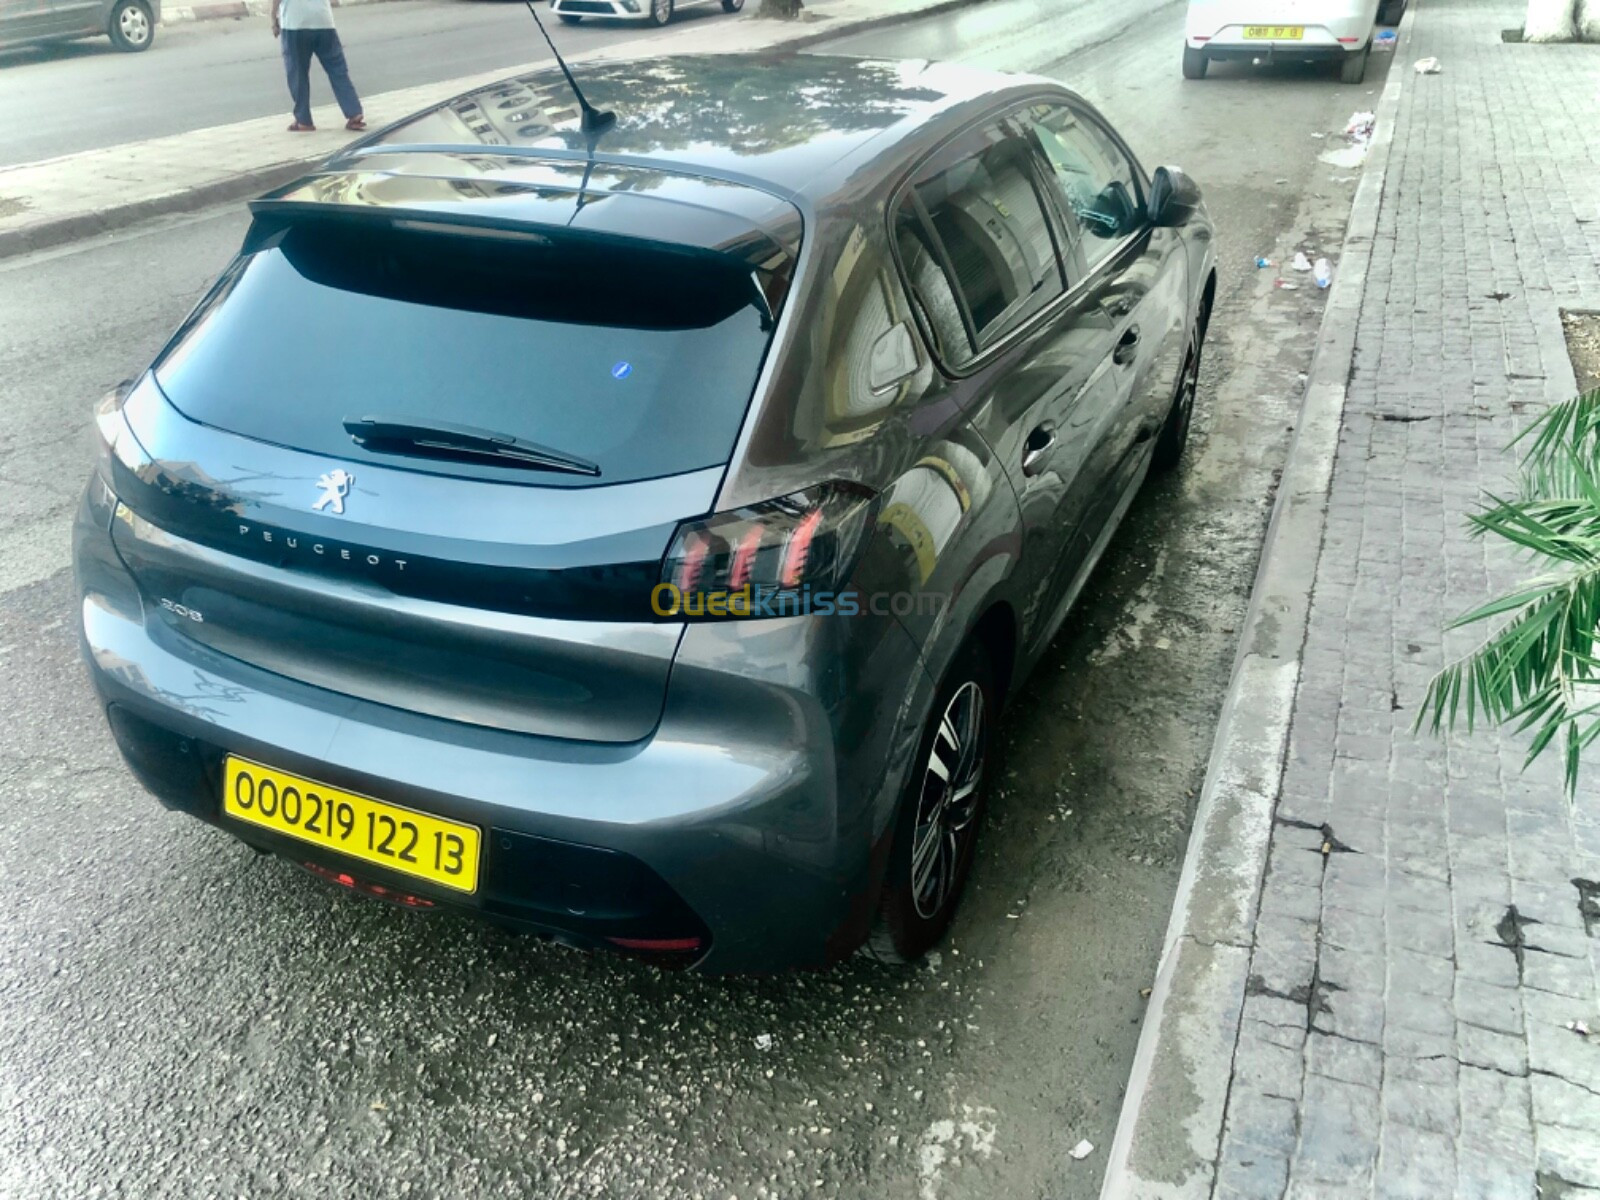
(1174,198)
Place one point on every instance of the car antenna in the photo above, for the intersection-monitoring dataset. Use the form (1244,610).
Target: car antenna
(594,120)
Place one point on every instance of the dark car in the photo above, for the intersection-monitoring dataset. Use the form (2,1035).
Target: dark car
(634,535)
(130,24)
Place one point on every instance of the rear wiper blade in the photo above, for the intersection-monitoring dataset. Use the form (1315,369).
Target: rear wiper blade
(461,443)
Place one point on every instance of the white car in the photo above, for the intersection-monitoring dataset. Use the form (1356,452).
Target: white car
(657,12)
(1293,30)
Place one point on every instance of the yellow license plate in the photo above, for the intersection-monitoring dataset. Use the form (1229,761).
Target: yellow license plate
(401,839)
(1275,33)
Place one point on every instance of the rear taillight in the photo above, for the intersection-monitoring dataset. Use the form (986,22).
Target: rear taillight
(772,558)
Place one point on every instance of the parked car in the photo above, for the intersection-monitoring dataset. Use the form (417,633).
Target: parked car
(657,12)
(1337,31)
(131,24)
(634,537)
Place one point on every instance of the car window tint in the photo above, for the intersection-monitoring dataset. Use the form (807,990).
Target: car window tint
(931,290)
(994,233)
(626,354)
(1097,182)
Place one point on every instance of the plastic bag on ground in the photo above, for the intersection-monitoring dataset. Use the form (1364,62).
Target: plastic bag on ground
(1551,21)
(1428,66)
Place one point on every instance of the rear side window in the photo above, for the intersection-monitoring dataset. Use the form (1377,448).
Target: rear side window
(638,358)
(1097,183)
(973,234)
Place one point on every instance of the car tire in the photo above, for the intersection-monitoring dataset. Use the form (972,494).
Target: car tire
(1195,63)
(1174,435)
(943,801)
(569,18)
(660,12)
(732,6)
(131,26)
(1354,67)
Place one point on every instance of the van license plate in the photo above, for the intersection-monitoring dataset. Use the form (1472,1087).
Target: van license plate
(1274,33)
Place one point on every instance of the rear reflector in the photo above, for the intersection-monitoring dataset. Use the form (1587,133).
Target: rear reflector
(657,945)
(367,889)
(1349,41)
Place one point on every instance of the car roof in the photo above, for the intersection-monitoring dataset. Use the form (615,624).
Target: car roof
(789,123)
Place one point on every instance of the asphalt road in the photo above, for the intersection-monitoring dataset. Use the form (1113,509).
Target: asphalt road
(72,96)
(179,1017)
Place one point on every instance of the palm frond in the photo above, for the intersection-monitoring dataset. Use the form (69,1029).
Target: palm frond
(1540,669)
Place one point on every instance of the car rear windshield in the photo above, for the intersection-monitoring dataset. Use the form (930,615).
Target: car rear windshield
(637,357)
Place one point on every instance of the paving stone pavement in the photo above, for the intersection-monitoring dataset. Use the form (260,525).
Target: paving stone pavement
(1430,919)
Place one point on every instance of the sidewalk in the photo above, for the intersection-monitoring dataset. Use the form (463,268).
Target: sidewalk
(58,200)
(1381,938)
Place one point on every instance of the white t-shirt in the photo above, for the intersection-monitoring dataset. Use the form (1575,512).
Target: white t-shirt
(305,14)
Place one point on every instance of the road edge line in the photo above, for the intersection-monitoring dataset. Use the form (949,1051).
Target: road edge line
(1169,1131)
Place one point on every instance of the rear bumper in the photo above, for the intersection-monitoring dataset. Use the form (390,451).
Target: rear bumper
(754,817)
(1280,52)
(1332,40)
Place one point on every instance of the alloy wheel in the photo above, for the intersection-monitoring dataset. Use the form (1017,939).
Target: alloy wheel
(951,778)
(1190,386)
(135,25)
(1174,434)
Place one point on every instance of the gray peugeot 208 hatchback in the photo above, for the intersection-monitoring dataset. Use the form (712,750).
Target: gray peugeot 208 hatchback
(632,535)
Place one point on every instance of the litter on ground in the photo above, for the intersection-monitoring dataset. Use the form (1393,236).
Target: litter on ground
(1428,66)
(1358,136)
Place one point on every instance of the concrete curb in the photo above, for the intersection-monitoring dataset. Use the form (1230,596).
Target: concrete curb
(1169,1134)
(46,235)
(49,232)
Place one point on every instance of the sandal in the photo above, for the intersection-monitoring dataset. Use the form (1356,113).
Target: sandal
(299,128)
(356,124)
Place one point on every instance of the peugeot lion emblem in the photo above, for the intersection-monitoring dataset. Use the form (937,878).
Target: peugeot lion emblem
(335,487)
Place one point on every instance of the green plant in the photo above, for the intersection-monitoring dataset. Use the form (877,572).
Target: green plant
(1540,669)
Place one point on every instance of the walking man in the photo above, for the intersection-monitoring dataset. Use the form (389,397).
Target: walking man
(306,29)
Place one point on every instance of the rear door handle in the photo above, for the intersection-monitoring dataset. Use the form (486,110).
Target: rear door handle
(1037,448)
(1128,348)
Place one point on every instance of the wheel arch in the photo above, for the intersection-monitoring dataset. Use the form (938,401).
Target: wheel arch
(996,629)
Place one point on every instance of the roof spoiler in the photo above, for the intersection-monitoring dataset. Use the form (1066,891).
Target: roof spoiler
(275,216)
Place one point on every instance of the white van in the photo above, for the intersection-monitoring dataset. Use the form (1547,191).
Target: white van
(1294,30)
